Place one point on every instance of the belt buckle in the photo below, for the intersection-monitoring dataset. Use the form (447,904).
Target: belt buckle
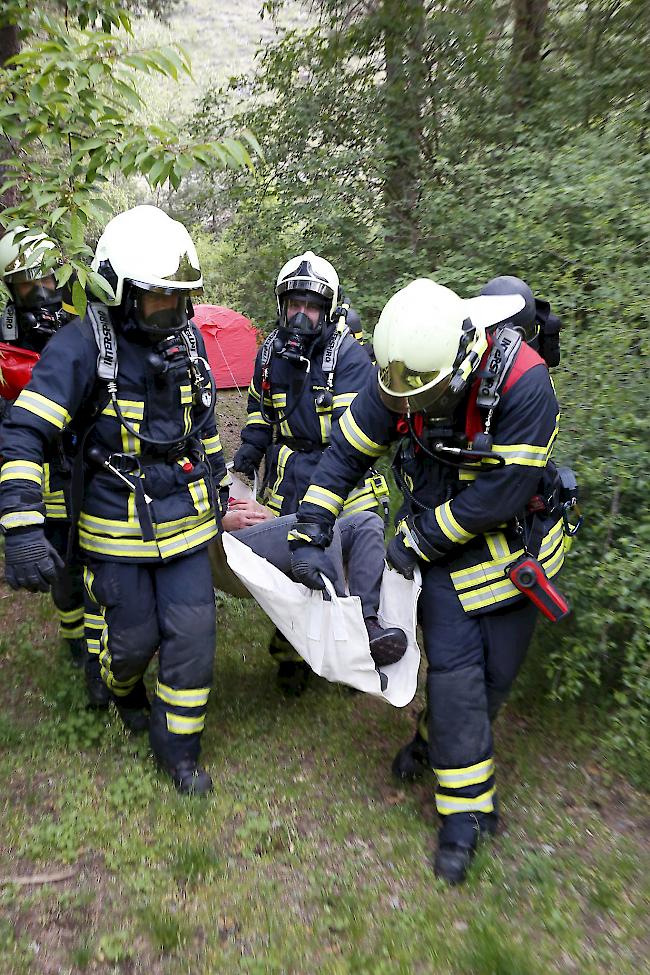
(125,463)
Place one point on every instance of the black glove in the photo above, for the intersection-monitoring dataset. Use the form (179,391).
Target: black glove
(309,563)
(400,557)
(224,498)
(30,561)
(247,459)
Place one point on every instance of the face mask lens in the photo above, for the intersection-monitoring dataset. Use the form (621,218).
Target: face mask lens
(162,314)
(37,292)
(398,378)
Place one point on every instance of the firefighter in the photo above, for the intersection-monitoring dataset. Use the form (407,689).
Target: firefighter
(307,373)
(36,311)
(475,415)
(133,382)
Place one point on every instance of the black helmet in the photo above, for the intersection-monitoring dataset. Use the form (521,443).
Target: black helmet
(525,320)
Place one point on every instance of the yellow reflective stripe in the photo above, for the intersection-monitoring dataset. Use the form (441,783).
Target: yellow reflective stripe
(410,541)
(212,445)
(186,394)
(456,778)
(71,615)
(41,406)
(199,492)
(276,499)
(94,525)
(366,503)
(21,519)
(188,539)
(94,621)
(279,400)
(323,498)
(551,539)
(498,545)
(255,419)
(325,423)
(194,697)
(298,536)
(448,524)
(357,438)
(180,725)
(343,400)
(131,409)
(455,804)
(526,454)
(22,470)
(285,429)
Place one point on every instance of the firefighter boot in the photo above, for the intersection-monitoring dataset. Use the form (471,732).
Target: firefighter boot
(387,646)
(458,839)
(134,709)
(77,648)
(97,693)
(411,761)
(190,779)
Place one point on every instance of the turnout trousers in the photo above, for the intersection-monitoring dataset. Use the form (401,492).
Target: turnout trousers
(169,607)
(67,589)
(472,663)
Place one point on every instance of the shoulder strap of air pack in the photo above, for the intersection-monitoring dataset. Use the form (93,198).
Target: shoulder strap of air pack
(506,343)
(9,324)
(332,349)
(106,339)
(188,338)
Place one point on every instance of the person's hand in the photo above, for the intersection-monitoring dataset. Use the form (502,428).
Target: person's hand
(399,556)
(244,514)
(247,459)
(309,563)
(30,561)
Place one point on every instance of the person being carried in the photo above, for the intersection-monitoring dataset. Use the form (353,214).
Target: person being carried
(306,374)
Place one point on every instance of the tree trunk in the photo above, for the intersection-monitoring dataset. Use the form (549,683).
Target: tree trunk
(9,45)
(403,23)
(528,32)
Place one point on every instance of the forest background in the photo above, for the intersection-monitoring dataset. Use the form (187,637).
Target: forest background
(458,139)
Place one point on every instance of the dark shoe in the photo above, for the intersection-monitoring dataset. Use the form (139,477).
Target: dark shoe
(77,648)
(411,761)
(98,696)
(452,862)
(387,646)
(189,779)
(134,709)
(293,677)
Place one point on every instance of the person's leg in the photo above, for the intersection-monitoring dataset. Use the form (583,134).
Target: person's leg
(188,631)
(125,595)
(268,539)
(362,541)
(506,636)
(460,736)
(67,592)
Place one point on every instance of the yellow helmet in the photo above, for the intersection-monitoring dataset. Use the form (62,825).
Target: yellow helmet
(428,342)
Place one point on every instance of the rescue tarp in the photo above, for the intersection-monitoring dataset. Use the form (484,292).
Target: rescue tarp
(231,344)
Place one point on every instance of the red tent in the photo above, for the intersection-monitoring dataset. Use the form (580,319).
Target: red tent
(231,343)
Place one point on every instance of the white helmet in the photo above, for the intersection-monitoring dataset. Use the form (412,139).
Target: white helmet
(428,341)
(32,286)
(150,250)
(22,259)
(311,274)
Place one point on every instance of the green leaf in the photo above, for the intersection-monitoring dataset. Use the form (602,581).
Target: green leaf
(79,299)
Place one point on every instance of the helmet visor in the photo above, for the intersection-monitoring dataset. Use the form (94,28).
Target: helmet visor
(404,390)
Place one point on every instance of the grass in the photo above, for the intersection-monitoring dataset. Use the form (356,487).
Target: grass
(307,857)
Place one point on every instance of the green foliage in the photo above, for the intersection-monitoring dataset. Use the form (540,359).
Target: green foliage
(69,125)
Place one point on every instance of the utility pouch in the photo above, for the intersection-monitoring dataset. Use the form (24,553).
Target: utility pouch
(528,575)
